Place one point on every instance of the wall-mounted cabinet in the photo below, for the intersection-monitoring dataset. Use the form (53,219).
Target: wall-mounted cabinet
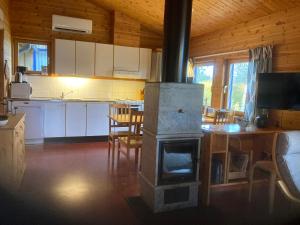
(95,59)
(126,58)
(65,57)
(104,64)
(85,58)
(145,63)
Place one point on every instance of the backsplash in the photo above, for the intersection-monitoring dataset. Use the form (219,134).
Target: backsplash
(84,88)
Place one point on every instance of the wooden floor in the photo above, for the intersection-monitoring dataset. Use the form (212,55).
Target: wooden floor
(74,184)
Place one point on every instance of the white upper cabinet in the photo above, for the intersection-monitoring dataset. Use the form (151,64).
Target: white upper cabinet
(64,57)
(55,120)
(145,63)
(104,64)
(85,58)
(126,59)
(97,120)
(75,119)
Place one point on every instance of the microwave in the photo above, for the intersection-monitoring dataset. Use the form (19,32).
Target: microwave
(20,90)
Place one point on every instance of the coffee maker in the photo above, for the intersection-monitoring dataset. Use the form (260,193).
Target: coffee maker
(19,74)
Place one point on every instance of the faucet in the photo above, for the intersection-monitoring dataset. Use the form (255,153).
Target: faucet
(63,95)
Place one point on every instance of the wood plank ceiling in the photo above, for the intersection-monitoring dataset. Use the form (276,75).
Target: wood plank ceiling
(208,15)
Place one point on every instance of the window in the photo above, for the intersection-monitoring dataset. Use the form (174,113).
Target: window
(204,75)
(238,73)
(32,55)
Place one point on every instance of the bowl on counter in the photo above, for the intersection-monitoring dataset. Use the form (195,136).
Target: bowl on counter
(3,120)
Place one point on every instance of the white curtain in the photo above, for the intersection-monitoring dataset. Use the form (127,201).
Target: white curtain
(260,62)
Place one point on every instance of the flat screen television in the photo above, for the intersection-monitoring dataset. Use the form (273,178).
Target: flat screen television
(278,91)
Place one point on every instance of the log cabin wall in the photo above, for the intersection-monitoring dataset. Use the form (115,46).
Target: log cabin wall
(126,31)
(5,50)
(33,19)
(281,29)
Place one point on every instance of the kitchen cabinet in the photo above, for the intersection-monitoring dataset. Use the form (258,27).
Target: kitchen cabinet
(55,120)
(34,120)
(126,58)
(97,120)
(65,57)
(104,64)
(12,152)
(85,58)
(75,119)
(145,63)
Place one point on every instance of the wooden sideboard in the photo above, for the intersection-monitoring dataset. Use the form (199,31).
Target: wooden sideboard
(216,144)
(12,152)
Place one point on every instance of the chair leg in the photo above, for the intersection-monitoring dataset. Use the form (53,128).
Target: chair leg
(272,192)
(109,146)
(136,156)
(128,154)
(251,180)
(113,149)
(118,154)
(227,169)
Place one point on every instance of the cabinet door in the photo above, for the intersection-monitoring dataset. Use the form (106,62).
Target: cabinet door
(34,121)
(126,58)
(85,58)
(64,57)
(75,119)
(55,120)
(145,63)
(97,119)
(104,64)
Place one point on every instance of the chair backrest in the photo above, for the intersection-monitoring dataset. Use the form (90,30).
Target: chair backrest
(286,156)
(135,124)
(222,117)
(210,112)
(119,111)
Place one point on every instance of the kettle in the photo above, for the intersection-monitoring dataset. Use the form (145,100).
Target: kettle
(19,77)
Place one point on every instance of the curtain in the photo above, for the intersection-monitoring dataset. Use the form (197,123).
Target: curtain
(260,62)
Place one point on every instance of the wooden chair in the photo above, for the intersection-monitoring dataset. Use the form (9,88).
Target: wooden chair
(266,166)
(239,150)
(286,162)
(134,138)
(117,130)
(222,117)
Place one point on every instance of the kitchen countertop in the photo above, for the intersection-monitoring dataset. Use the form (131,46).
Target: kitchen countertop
(76,100)
(13,121)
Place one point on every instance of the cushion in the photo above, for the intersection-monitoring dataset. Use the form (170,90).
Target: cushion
(288,160)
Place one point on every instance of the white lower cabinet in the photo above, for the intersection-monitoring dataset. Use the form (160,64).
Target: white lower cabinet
(75,119)
(97,120)
(34,117)
(55,120)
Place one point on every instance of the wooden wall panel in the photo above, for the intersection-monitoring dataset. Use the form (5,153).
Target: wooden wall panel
(208,15)
(5,49)
(281,29)
(33,19)
(126,31)
(150,39)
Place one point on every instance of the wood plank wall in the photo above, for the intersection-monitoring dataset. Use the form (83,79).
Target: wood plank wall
(5,49)
(127,31)
(280,29)
(33,19)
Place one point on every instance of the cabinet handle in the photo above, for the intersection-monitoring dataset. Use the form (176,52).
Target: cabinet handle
(26,103)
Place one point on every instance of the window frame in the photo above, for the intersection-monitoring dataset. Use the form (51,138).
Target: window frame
(209,63)
(227,80)
(31,41)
